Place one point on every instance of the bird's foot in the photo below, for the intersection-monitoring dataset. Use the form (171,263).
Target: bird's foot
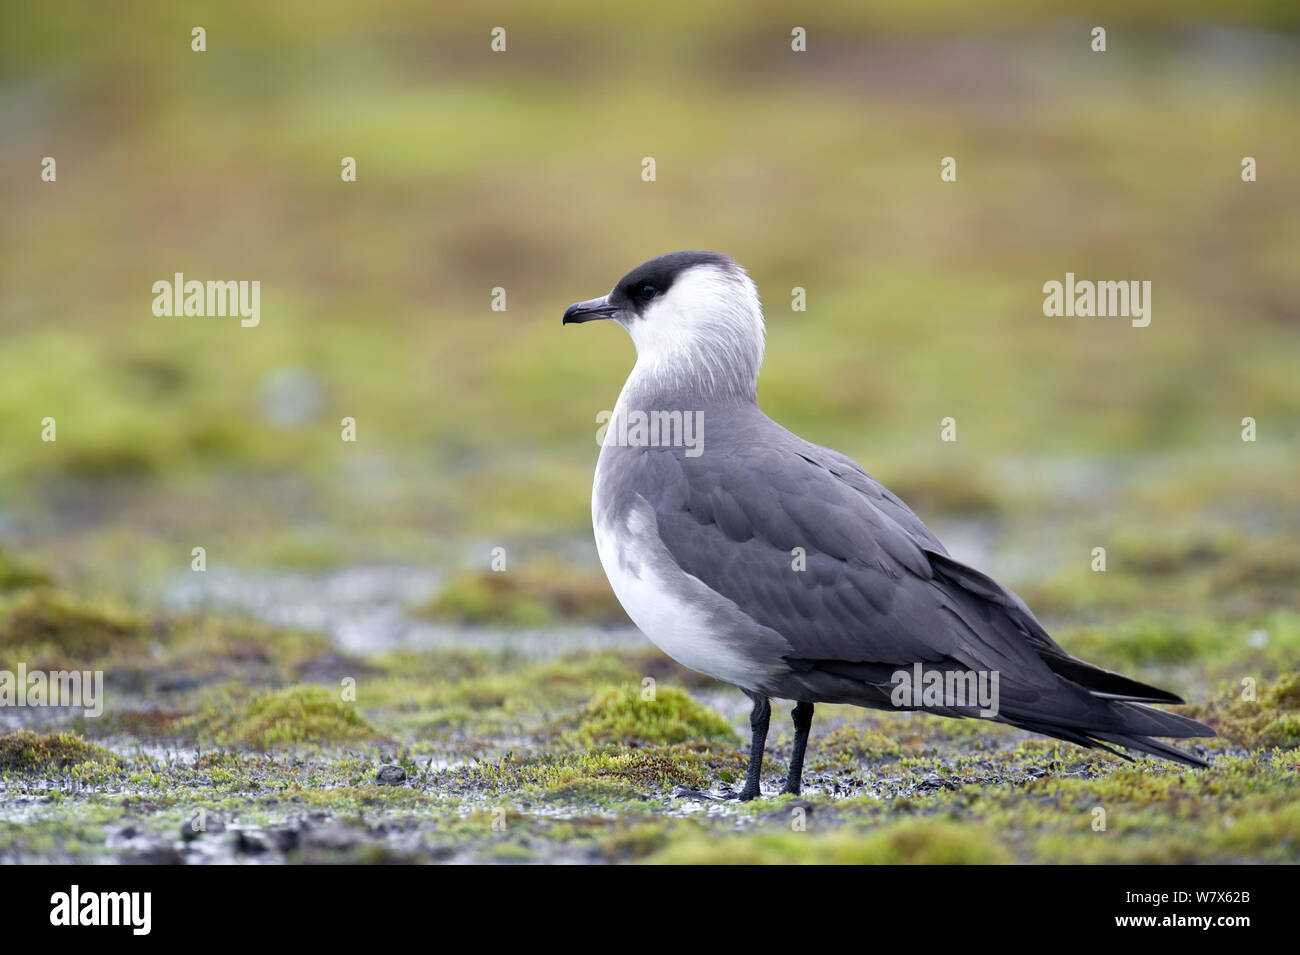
(749,793)
(790,789)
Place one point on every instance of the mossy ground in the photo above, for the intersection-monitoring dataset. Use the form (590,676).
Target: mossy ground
(269,741)
(294,716)
(31,753)
(645,715)
(529,748)
(541,595)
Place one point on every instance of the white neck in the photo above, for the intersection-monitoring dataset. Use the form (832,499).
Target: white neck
(704,337)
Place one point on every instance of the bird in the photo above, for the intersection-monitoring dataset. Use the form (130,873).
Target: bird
(783,568)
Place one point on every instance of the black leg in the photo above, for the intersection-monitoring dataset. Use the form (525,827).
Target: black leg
(758,718)
(802,714)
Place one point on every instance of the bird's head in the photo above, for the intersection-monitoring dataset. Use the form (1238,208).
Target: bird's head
(695,319)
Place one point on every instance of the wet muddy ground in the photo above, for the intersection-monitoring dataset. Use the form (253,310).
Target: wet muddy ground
(226,738)
(441,712)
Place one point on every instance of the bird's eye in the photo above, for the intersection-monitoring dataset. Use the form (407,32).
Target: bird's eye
(647,292)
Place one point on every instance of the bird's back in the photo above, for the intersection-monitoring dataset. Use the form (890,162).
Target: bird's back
(832,577)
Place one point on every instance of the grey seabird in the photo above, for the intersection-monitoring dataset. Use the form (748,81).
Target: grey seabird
(783,568)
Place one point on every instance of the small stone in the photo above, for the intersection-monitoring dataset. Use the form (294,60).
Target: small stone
(686,792)
(249,843)
(286,838)
(934,782)
(390,776)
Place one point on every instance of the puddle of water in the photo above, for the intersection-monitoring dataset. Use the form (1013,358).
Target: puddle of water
(363,610)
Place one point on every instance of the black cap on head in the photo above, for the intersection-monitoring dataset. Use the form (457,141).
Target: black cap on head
(645,283)
(649,280)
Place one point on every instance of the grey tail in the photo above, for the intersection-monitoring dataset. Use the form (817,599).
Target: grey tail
(1126,697)
(1145,744)
(1093,706)
(1105,683)
(1138,724)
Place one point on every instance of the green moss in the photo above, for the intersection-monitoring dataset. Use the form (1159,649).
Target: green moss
(148,724)
(533,597)
(488,694)
(1147,639)
(510,852)
(1207,573)
(1153,813)
(635,841)
(1271,719)
(208,649)
(1254,833)
(454,665)
(1207,563)
(18,576)
(621,715)
(856,745)
(45,621)
(294,716)
(1271,641)
(27,752)
(602,776)
(910,842)
(644,769)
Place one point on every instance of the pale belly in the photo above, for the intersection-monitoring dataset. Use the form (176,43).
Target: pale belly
(668,611)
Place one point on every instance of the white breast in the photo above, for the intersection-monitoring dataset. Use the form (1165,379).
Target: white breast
(661,607)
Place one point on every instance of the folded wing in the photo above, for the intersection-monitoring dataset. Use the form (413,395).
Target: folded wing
(811,546)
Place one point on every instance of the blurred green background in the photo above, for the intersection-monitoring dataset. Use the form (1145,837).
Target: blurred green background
(522,170)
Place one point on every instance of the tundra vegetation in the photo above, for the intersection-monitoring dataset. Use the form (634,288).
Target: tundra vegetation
(400,647)
(228,739)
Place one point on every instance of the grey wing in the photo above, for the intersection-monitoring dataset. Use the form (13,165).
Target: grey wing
(847,470)
(860,589)
(826,557)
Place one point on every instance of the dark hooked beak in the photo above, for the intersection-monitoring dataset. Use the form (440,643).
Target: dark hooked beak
(589,311)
